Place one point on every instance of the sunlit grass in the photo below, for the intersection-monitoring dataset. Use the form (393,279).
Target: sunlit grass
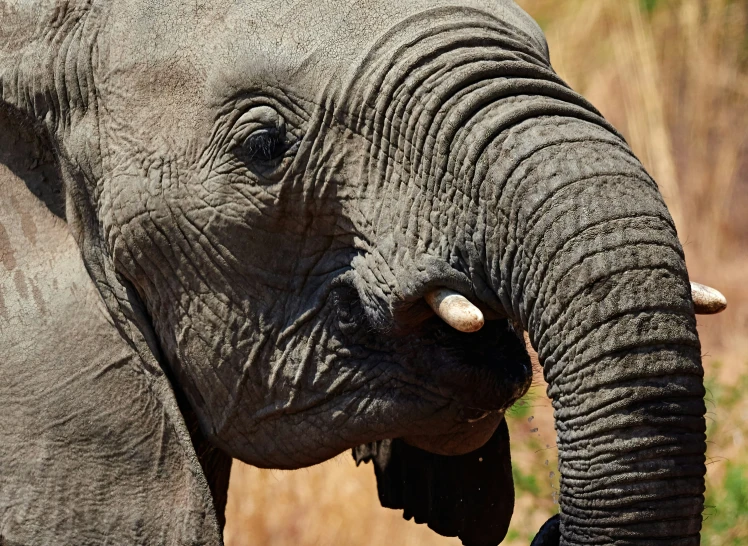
(726,515)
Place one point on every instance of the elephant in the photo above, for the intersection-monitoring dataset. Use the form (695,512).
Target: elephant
(279,231)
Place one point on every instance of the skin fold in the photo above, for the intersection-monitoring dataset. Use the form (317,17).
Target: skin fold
(256,197)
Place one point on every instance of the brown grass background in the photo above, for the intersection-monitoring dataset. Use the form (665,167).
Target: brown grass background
(672,75)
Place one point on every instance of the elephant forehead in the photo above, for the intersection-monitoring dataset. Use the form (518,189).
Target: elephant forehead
(225,45)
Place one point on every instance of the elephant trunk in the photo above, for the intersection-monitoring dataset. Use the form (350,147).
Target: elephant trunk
(542,212)
(580,248)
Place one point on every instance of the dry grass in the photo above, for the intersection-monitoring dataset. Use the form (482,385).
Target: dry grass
(673,77)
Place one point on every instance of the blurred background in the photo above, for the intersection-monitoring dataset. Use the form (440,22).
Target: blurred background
(672,75)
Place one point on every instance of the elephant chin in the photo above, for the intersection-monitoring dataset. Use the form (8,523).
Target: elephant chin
(469,437)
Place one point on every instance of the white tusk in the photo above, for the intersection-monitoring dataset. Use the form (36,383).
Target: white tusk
(707,300)
(455,309)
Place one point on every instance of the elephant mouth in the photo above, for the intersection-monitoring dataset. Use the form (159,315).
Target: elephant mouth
(470,378)
(481,374)
(468,437)
(464,380)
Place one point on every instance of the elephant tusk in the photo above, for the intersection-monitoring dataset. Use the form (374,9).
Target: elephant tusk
(707,300)
(455,309)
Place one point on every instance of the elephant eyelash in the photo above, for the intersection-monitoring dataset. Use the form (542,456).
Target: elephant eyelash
(264,145)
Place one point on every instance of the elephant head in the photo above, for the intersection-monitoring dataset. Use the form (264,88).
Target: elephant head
(266,194)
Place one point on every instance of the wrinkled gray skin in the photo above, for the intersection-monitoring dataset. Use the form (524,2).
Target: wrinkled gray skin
(257,195)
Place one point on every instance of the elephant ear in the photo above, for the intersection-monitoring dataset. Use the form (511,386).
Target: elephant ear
(94,447)
(469,496)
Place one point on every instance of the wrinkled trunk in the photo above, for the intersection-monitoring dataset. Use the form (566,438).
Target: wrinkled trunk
(581,249)
(541,205)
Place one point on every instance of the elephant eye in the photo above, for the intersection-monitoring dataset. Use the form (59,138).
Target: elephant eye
(264,145)
(259,144)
